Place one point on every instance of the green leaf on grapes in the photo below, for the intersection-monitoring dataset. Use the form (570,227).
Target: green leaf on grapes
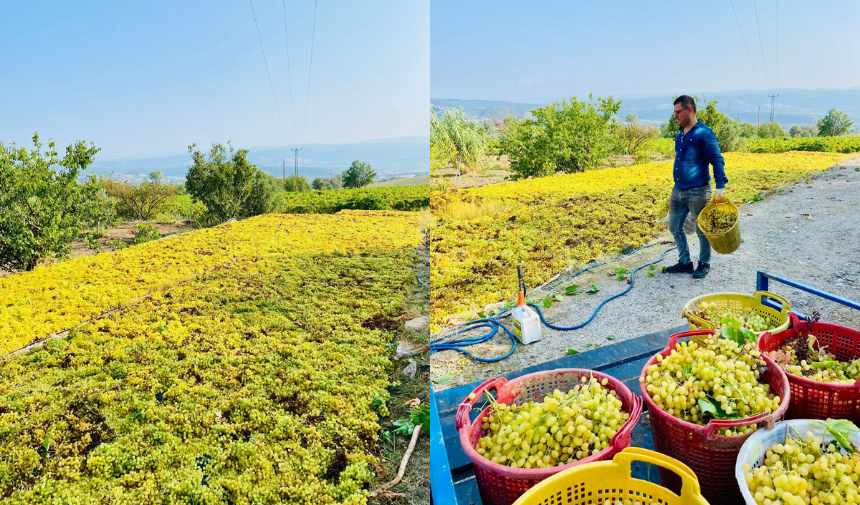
(135,415)
(841,430)
(707,407)
(688,369)
(571,351)
(827,362)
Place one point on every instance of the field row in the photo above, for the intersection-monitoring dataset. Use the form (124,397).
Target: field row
(404,198)
(52,299)
(552,223)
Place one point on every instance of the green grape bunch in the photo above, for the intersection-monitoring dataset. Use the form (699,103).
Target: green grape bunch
(750,319)
(721,380)
(563,427)
(806,470)
(718,220)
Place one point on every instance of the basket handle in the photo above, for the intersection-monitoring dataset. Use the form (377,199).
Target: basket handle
(696,320)
(690,488)
(673,340)
(462,418)
(621,439)
(713,428)
(784,305)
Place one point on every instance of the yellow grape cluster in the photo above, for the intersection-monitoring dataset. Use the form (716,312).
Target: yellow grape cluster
(804,470)
(553,223)
(718,220)
(53,298)
(814,363)
(723,373)
(750,319)
(563,427)
(243,385)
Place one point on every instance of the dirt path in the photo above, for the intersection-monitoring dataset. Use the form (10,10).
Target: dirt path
(823,251)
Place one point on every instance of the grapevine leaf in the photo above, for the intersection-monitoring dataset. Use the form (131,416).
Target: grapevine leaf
(572,290)
(482,315)
(610,337)
(443,379)
(556,297)
(841,429)
(594,289)
(652,267)
(547,302)
(663,270)
(650,274)
(571,351)
(688,369)
(828,362)
(135,415)
(404,427)
(707,407)
(621,277)
(421,417)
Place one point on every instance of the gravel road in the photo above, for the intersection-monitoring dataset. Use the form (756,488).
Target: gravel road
(779,236)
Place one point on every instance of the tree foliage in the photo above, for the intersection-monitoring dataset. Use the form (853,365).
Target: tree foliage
(320,184)
(358,175)
(264,194)
(567,136)
(44,209)
(297,184)
(835,123)
(139,201)
(771,131)
(455,139)
(795,131)
(223,183)
(633,136)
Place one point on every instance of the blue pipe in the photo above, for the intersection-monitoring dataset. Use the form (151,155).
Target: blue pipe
(494,324)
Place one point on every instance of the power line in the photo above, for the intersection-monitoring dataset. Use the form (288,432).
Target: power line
(760,45)
(745,43)
(310,66)
(289,73)
(777,44)
(267,71)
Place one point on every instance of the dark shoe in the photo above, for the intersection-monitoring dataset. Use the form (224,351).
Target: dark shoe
(680,268)
(701,270)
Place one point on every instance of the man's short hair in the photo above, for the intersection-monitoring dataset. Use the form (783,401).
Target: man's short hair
(685,101)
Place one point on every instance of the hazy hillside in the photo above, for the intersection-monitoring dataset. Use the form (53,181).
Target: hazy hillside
(793,106)
(388,157)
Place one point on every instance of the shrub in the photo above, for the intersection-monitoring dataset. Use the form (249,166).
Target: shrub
(145,233)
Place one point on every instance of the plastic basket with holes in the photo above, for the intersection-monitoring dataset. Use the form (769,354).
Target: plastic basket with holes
(502,485)
(725,242)
(610,481)
(754,449)
(812,399)
(711,456)
(739,304)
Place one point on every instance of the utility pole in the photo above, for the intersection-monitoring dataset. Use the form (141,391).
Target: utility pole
(330,174)
(285,171)
(296,150)
(772,97)
(758,121)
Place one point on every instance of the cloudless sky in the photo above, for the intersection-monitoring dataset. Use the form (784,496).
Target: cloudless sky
(537,52)
(144,77)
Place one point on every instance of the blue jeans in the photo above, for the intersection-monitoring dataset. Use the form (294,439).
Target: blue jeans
(682,203)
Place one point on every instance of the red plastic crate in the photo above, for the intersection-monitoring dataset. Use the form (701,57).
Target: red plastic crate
(711,456)
(812,399)
(502,485)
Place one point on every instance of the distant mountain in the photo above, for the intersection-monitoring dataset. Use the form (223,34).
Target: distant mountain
(389,158)
(792,107)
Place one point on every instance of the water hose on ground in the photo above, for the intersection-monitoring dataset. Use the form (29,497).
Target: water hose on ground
(494,323)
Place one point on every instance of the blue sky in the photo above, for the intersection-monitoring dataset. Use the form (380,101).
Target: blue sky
(143,77)
(538,52)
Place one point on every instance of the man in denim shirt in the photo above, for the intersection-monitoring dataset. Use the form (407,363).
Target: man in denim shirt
(695,148)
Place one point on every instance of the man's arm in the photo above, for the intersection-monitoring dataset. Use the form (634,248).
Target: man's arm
(715,158)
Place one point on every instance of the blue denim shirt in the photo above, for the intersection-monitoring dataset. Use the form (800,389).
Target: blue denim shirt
(693,152)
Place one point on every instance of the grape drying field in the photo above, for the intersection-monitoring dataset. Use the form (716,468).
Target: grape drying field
(246,363)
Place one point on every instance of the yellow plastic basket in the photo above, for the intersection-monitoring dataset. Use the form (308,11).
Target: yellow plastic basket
(737,304)
(723,243)
(602,481)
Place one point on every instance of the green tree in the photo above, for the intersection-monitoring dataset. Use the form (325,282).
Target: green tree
(567,136)
(320,184)
(264,194)
(795,131)
(223,183)
(42,209)
(139,201)
(457,140)
(771,131)
(835,123)
(358,175)
(632,135)
(297,184)
(749,131)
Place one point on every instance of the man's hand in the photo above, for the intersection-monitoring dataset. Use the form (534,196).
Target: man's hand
(720,196)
